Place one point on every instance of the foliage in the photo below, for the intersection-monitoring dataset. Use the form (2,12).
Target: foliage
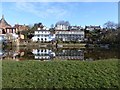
(62,22)
(110,25)
(111,37)
(60,74)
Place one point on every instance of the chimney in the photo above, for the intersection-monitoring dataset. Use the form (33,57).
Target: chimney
(2,16)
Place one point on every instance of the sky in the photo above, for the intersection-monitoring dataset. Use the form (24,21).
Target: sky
(77,13)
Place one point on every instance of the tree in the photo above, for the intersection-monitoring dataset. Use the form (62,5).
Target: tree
(62,22)
(110,25)
(52,26)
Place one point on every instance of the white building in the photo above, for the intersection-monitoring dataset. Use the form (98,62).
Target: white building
(43,36)
(73,35)
(76,28)
(61,27)
(92,28)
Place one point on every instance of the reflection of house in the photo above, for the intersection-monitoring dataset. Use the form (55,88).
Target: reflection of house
(43,36)
(43,54)
(70,55)
(92,28)
(8,54)
(2,37)
(1,52)
(70,35)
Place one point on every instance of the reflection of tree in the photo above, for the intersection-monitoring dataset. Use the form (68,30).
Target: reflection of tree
(102,53)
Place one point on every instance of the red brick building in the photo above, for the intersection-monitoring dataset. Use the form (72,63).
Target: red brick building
(5,27)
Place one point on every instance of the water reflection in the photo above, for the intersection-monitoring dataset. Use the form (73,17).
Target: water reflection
(43,54)
(60,54)
(70,54)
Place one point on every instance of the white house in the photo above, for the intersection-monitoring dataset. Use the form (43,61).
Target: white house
(76,28)
(43,36)
(70,35)
(92,28)
(61,27)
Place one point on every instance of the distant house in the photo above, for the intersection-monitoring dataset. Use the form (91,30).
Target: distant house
(7,30)
(76,28)
(11,30)
(43,36)
(5,27)
(62,25)
(69,35)
(21,27)
(92,28)
(3,23)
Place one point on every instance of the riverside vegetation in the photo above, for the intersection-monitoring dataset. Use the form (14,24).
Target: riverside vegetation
(60,74)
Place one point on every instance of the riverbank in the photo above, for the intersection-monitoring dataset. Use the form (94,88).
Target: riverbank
(60,74)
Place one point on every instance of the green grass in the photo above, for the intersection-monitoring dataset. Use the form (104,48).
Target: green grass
(60,74)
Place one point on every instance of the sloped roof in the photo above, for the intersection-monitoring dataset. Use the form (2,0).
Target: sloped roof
(3,23)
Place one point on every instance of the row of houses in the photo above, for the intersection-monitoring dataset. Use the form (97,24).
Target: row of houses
(59,32)
(9,33)
(7,28)
(63,35)
(62,31)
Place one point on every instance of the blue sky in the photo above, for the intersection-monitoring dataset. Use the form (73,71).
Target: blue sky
(77,13)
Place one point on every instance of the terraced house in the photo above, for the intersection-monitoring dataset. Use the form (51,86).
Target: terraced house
(66,33)
(70,35)
(62,35)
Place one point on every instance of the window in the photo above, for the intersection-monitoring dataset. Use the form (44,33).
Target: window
(45,50)
(45,39)
(38,39)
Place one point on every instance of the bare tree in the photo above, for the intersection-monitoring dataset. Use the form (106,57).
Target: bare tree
(62,22)
(110,25)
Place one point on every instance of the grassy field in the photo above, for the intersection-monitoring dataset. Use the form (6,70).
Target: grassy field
(60,74)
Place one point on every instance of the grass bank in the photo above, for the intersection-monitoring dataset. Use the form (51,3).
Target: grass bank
(60,74)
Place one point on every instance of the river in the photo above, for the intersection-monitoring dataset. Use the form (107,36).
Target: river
(31,53)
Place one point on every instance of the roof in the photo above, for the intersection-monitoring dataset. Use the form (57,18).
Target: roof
(3,23)
(92,26)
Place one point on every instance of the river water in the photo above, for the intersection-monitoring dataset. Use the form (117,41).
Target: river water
(31,53)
